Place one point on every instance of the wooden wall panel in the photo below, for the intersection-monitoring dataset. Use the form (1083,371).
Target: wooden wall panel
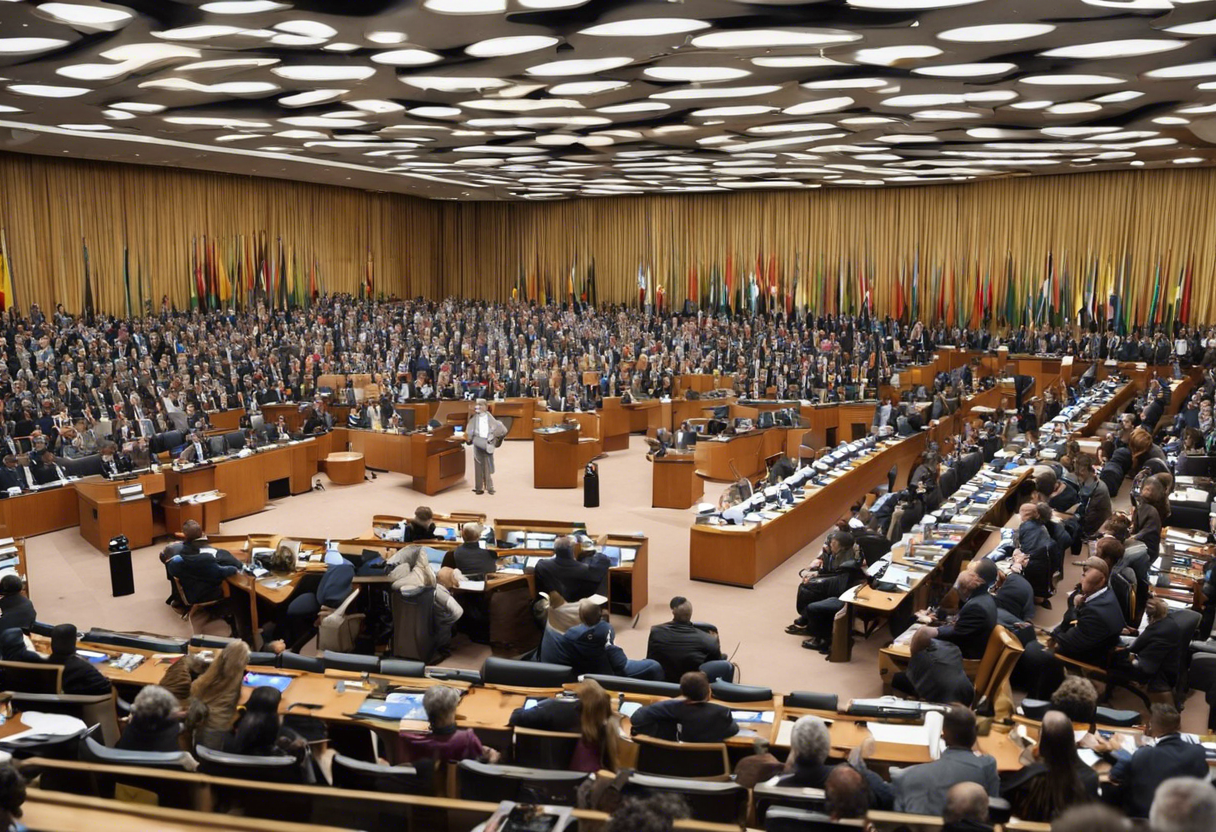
(1104,232)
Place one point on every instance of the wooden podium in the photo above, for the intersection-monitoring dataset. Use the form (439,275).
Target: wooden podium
(555,459)
(206,512)
(675,481)
(105,515)
(520,411)
(437,460)
(614,425)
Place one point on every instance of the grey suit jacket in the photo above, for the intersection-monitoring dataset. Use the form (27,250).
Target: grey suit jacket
(922,789)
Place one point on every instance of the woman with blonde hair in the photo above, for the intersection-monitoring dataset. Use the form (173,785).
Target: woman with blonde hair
(215,694)
(589,715)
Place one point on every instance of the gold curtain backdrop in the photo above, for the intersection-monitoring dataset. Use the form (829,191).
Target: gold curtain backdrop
(1039,244)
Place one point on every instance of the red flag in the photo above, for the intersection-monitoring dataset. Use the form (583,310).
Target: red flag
(899,294)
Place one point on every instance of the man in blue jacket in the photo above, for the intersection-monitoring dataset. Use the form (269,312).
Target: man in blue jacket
(587,648)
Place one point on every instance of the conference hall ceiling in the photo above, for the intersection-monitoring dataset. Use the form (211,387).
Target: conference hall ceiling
(552,99)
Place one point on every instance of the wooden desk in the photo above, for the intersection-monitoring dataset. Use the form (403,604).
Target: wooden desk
(648,415)
(437,460)
(614,424)
(345,467)
(38,512)
(104,516)
(555,459)
(290,411)
(747,451)
(743,556)
(244,479)
(674,481)
(225,421)
(521,412)
(207,513)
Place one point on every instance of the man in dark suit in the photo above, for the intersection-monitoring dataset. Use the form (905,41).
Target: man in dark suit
(469,557)
(112,464)
(1153,656)
(935,672)
(47,470)
(1088,633)
(574,579)
(16,610)
(976,618)
(11,475)
(681,646)
(1134,779)
(196,449)
(689,718)
(1032,539)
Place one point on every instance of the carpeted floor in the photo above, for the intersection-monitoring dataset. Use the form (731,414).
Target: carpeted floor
(69,580)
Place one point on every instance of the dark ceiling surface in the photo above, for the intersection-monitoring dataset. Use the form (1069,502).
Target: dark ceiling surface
(552,99)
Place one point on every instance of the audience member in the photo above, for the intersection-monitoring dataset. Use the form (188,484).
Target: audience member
(1183,804)
(1056,780)
(259,732)
(588,648)
(1091,817)
(588,713)
(806,765)
(16,609)
(302,611)
(1134,779)
(935,672)
(180,675)
(653,813)
(574,578)
(848,795)
(156,722)
(966,809)
(12,795)
(921,789)
(689,718)
(470,557)
(680,646)
(976,618)
(214,696)
(79,675)
(444,742)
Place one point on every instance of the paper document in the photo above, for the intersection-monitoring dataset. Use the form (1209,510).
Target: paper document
(929,734)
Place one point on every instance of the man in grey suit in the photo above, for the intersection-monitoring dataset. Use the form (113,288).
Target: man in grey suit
(921,790)
(484,433)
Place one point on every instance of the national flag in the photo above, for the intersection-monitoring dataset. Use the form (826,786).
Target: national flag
(196,270)
(126,278)
(592,293)
(641,286)
(7,299)
(371,275)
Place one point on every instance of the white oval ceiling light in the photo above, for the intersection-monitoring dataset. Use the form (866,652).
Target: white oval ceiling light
(635,107)
(117,115)
(577,66)
(790,127)
(47,90)
(284,39)
(375,105)
(866,120)
(1069,80)
(1117,97)
(796,61)
(587,87)
(212,121)
(1131,48)
(307,72)
(846,84)
(138,107)
(86,17)
(223,88)
(694,74)
(466,6)
(386,38)
(307,28)
(996,32)
(893,55)
(944,115)
(1032,105)
(228,63)
(1197,70)
(201,32)
(551,4)
(515,45)
(771,38)
(310,97)
(29,46)
(340,47)
(405,57)
(909,5)
(923,100)
(319,121)
(435,112)
(698,93)
(965,70)
(1202,27)
(522,105)
(243,6)
(1069,108)
(300,134)
(446,83)
(824,105)
(733,112)
(645,27)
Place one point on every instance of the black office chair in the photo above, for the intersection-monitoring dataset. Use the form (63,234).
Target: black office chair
(235,440)
(512,673)
(349,773)
(713,802)
(811,700)
(85,466)
(294,661)
(91,751)
(543,749)
(263,659)
(356,662)
(794,797)
(402,667)
(215,445)
(414,634)
(785,819)
(155,644)
(495,783)
(623,684)
(693,760)
(206,642)
(453,674)
(248,767)
(730,692)
(65,747)
(32,677)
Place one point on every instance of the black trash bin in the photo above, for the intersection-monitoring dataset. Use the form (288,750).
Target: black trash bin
(591,486)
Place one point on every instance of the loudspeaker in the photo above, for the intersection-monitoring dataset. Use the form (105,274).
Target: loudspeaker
(122,577)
